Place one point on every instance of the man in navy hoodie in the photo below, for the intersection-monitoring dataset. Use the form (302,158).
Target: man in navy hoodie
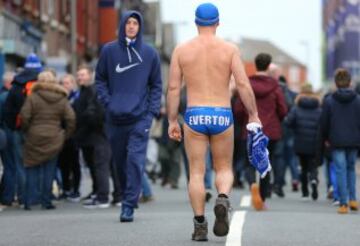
(128,81)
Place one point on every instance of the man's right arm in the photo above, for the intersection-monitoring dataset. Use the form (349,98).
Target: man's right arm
(174,87)
(243,86)
(101,79)
(173,97)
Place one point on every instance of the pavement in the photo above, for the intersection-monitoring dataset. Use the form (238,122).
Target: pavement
(167,220)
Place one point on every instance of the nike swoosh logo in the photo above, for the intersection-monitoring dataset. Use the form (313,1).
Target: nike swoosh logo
(123,69)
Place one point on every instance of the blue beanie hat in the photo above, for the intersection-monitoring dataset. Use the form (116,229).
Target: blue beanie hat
(207,14)
(33,62)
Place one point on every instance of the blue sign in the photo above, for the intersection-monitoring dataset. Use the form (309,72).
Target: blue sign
(343,39)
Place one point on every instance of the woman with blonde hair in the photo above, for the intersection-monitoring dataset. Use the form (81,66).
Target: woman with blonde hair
(47,119)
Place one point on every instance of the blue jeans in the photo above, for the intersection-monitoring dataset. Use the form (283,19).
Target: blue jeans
(333,181)
(344,160)
(290,159)
(40,178)
(9,172)
(20,169)
(208,170)
(13,180)
(146,188)
(285,156)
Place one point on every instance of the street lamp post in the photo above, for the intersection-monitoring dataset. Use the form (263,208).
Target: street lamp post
(306,45)
(73,37)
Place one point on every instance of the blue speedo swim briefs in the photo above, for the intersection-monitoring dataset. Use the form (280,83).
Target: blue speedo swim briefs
(209,120)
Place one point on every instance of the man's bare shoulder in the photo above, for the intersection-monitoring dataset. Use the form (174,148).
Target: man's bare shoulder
(231,46)
(227,45)
(184,46)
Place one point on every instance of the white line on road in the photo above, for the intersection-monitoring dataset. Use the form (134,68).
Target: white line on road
(245,201)
(236,227)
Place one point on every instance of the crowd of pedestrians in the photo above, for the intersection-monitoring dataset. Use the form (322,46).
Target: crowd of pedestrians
(112,121)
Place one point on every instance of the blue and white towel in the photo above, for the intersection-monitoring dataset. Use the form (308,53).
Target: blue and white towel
(258,153)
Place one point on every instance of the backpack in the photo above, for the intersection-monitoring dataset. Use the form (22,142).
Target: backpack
(289,96)
(26,91)
(14,102)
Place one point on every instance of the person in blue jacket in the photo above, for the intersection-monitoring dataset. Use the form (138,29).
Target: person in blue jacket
(129,86)
(340,125)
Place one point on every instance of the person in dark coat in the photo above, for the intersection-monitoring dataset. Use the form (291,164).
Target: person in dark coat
(272,109)
(91,139)
(340,125)
(304,119)
(21,85)
(8,179)
(69,163)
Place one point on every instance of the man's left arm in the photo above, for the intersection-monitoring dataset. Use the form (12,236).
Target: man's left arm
(325,120)
(155,87)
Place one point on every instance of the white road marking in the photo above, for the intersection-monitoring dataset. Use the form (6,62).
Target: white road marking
(235,234)
(245,201)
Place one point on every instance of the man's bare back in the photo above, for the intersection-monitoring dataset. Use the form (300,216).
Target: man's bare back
(205,62)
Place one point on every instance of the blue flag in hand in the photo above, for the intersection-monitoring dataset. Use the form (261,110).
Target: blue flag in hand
(257,151)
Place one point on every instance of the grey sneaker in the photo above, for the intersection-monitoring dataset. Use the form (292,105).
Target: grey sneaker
(200,231)
(221,209)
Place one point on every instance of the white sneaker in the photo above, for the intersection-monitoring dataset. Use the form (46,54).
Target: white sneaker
(305,198)
(336,203)
(104,205)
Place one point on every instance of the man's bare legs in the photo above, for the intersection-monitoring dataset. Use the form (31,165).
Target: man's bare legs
(196,145)
(222,150)
(222,146)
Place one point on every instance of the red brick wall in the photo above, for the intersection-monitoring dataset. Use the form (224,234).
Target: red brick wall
(87,25)
(108,24)
(92,24)
(81,15)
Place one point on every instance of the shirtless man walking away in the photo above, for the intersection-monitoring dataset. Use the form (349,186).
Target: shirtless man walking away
(206,63)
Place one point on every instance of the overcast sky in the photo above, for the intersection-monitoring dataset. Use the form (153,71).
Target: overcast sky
(293,25)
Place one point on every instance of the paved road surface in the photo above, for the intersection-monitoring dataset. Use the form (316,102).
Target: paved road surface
(168,221)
